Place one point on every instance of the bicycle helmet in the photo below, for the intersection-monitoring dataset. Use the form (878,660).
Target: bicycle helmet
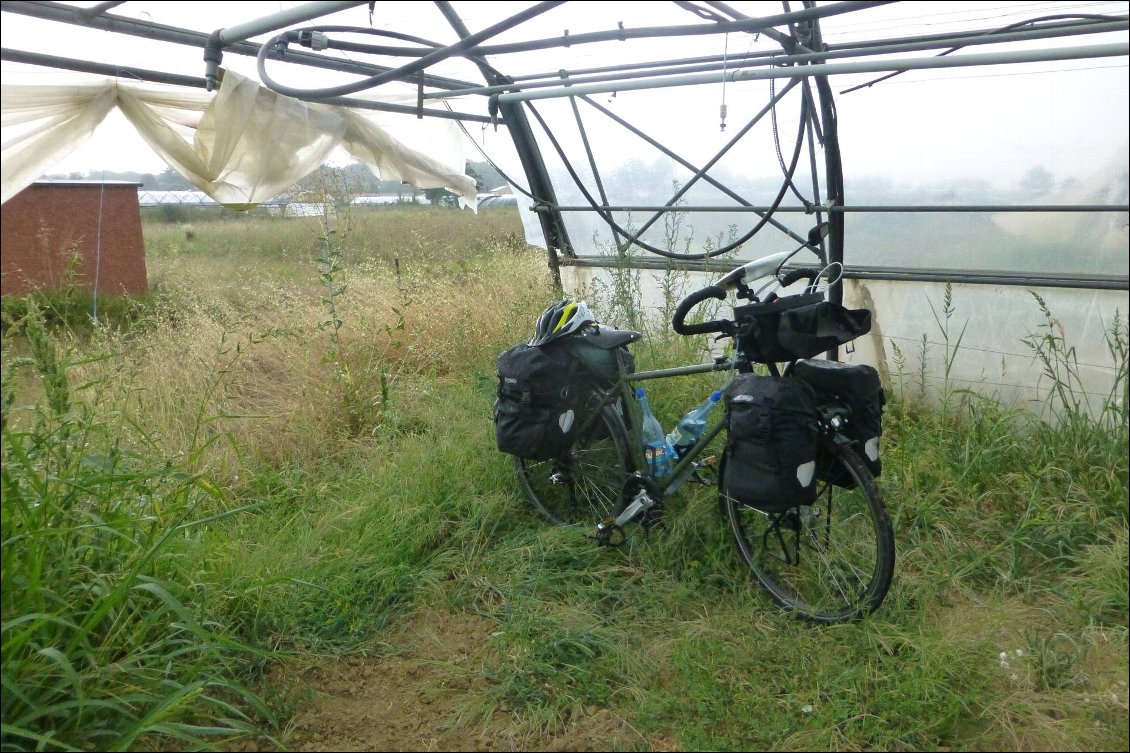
(561,319)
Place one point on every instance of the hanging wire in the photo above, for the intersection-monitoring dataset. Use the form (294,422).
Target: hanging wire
(780,157)
(1001,30)
(606,214)
(98,250)
(725,61)
(490,161)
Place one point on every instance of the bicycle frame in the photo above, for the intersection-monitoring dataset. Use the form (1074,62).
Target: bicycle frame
(623,389)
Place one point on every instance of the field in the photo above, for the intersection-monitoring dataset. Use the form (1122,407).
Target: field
(262,509)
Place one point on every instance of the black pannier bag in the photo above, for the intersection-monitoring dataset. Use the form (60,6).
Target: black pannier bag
(772,443)
(536,413)
(859,387)
(546,392)
(600,359)
(797,326)
(598,362)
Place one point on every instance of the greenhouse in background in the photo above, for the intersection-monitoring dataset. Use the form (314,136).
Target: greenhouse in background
(968,162)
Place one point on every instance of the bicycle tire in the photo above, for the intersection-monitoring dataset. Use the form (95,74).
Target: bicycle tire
(828,562)
(584,485)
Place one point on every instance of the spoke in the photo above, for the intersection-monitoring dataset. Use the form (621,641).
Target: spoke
(834,566)
(823,569)
(834,579)
(596,494)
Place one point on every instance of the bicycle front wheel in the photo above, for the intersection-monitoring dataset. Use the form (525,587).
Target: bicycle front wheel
(831,561)
(582,486)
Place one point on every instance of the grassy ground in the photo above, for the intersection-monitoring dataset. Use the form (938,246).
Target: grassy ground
(288,449)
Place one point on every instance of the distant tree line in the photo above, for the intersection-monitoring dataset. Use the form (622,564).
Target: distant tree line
(356,178)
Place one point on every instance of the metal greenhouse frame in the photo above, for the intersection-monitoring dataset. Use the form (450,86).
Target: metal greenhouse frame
(506,97)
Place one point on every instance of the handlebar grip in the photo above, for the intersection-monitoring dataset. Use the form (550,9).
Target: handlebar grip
(692,300)
(797,274)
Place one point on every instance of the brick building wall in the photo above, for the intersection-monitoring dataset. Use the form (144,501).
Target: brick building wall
(50,238)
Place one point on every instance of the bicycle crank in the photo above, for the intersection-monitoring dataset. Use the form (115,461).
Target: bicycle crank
(645,507)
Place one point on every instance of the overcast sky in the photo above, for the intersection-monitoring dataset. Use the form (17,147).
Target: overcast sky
(979,123)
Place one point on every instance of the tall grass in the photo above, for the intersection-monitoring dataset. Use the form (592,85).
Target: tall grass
(104,641)
(204,494)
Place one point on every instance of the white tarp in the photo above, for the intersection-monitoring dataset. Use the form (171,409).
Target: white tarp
(241,146)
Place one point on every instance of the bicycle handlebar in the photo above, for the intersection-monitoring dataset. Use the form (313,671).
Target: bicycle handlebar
(736,278)
(756,269)
(681,327)
(798,274)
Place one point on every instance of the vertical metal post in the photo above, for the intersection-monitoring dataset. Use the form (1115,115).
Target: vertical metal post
(813,121)
(833,174)
(526,146)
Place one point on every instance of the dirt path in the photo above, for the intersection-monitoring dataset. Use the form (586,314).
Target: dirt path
(425,698)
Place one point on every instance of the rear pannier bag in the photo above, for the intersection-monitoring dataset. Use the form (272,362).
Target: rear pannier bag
(599,368)
(602,365)
(773,438)
(858,386)
(536,412)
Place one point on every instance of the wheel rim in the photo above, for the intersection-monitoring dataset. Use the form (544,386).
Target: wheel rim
(830,561)
(583,486)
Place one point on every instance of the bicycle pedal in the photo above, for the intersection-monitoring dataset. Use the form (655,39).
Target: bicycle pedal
(608,533)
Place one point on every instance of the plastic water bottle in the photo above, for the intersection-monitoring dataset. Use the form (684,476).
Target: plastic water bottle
(692,426)
(689,430)
(658,454)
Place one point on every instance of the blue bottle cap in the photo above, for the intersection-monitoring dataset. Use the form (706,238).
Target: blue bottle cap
(639,391)
(715,396)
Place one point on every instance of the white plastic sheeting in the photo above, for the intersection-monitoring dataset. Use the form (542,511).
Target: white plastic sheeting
(984,344)
(241,147)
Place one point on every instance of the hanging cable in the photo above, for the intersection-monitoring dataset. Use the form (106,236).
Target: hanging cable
(434,56)
(606,215)
(1003,29)
(98,250)
(492,163)
(777,146)
(725,61)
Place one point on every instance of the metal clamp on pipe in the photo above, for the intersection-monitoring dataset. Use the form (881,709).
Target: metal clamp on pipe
(213,56)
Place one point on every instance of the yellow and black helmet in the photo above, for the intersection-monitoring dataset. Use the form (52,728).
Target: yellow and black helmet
(562,318)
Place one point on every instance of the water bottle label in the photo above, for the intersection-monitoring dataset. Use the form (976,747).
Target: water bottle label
(658,460)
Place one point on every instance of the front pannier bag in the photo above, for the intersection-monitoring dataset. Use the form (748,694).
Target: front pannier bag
(537,409)
(772,444)
(859,387)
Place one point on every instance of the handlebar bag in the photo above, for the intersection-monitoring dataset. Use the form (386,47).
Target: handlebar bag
(538,399)
(798,326)
(772,442)
(858,387)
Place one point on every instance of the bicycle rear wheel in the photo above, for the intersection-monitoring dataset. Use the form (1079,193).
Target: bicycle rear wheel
(583,485)
(831,561)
